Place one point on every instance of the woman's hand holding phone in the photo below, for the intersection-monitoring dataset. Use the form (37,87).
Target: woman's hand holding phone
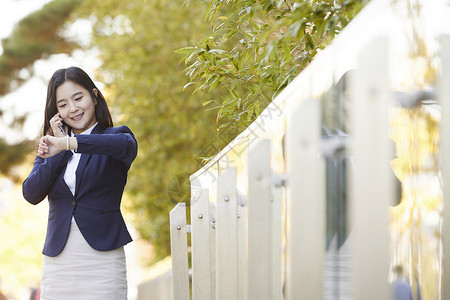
(51,145)
(58,126)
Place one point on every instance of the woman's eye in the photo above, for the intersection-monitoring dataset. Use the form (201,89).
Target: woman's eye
(62,105)
(78,99)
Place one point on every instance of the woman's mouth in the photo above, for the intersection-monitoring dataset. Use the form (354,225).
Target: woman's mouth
(77,117)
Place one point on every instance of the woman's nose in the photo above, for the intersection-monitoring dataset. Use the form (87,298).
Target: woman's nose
(73,107)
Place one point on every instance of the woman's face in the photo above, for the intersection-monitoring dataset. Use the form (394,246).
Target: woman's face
(76,106)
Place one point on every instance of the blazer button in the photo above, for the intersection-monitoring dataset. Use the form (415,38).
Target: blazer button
(73,202)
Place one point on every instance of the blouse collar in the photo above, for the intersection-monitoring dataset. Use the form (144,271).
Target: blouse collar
(87,131)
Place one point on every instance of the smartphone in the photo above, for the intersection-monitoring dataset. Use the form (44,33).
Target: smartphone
(61,128)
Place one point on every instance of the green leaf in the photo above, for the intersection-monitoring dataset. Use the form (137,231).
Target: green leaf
(207,102)
(215,83)
(238,103)
(233,92)
(309,40)
(185,50)
(187,85)
(294,28)
(217,51)
(255,26)
(224,125)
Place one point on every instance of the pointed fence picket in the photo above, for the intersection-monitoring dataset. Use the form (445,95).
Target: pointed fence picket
(178,241)
(226,236)
(200,244)
(371,187)
(259,222)
(306,204)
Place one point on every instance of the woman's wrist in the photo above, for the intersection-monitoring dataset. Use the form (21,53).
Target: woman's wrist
(61,143)
(68,143)
(72,143)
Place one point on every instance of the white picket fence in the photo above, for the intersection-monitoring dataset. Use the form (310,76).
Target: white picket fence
(258,209)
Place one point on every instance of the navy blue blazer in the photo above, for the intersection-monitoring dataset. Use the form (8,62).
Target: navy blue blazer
(106,156)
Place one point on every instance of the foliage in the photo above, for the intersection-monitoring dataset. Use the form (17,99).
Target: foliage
(35,36)
(143,78)
(13,155)
(256,47)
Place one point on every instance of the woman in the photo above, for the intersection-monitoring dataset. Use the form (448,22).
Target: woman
(81,167)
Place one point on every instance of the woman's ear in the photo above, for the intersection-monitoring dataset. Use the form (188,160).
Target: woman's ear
(95,91)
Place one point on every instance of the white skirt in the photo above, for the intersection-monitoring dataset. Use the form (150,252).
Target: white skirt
(81,272)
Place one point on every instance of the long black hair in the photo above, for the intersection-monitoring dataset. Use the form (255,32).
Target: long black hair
(78,76)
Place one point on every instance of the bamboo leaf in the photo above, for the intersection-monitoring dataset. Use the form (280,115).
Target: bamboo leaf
(187,85)
(309,40)
(207,102)
(184,50)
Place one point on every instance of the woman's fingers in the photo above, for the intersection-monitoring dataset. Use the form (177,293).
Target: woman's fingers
(56,119)
(42,149)
(42,146)
(56,122)
(49,146)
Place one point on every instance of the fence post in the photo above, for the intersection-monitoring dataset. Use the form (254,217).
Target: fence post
(178,242)
(276,202)
(200,245)
(212,240)
(259,222)
(226,236)
(444,151)
(242,248)
(371,188)
(306,204)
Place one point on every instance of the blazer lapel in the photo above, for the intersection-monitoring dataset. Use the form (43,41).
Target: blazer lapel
(84,159)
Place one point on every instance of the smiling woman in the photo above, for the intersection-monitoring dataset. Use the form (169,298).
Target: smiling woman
(82,169)
(74,99)
(76,108)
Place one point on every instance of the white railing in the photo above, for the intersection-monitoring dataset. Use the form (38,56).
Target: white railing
(260,220)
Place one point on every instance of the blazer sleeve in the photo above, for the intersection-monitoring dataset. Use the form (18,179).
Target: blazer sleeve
(120,144)
(43,175)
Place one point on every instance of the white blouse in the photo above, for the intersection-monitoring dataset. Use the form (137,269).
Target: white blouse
(72,165)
